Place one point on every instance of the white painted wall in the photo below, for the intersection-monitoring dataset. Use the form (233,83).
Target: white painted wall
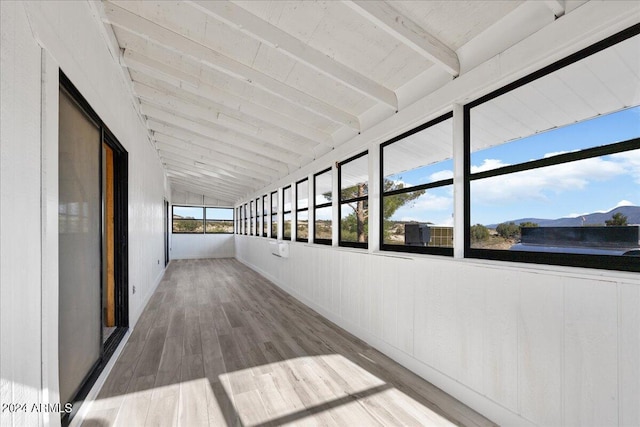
(523,344)
(36,38)
(190,246)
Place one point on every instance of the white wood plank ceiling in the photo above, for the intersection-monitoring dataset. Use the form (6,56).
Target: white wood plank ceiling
(239,94)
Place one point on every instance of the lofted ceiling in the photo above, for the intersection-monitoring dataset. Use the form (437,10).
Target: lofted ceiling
(239,94)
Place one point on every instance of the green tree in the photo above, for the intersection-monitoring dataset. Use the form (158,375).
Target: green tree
(355,225)
(528,224)
(479,233)
(508,230)
(616,219)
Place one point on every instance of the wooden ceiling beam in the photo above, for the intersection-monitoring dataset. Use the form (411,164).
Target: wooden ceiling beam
(223,118)
(242,20)
(205,172)
(157,34)
(191,88)
(165,142)
(408,32)
(165,132)
(167,150)
(218,135)
(231,128)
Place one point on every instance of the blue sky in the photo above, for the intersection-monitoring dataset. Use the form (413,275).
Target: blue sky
(592,185)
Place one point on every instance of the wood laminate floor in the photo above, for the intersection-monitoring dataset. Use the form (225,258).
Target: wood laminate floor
(218,344)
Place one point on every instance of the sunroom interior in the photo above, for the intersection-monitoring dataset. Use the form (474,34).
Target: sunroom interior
(309,212)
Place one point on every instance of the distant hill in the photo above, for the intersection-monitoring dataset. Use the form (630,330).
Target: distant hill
(631,212)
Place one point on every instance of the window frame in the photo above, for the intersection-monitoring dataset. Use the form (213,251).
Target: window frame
(284,189)
(216,219)
(328,242)
(299,210)
(188,206)
(251,218)
(606,262)
(246,220)
(365,198)
(274,196)
(265,220)
(203,220)
(433,250)
(258,214)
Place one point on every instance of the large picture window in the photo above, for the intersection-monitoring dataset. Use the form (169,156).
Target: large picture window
(302,210)
(187,219)
(265,213)
(417,189)
(322,213)
(274,214)
(553,163)
(353,182)
(219,220)
(286,213)
(199,220)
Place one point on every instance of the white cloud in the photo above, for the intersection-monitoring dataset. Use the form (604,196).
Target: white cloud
(631,161)
(539,183)
(439,176)
(488,164)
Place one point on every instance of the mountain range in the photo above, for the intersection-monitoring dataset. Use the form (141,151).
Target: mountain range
(598,218)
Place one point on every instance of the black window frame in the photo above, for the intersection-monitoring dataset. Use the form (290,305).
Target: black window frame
(605,262)
(216,219)
(204,219)
(433,250)
(257,218)
(341,202)
(299,210)
(265,213)
(328,242)
(284,212)
(187,219)
(246,220)
(274,196)
(251,218)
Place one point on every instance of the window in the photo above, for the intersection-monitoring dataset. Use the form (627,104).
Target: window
(302,210)
(251,219)
(198,220)
(286,213)
(417,189)
(265,212)
(219,220)
(187,219)
(322,207)
(274,214)
(246,219)
(258,216)
(353,181)
(552,161)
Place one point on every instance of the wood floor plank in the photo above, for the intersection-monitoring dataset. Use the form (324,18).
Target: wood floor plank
(218,345)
